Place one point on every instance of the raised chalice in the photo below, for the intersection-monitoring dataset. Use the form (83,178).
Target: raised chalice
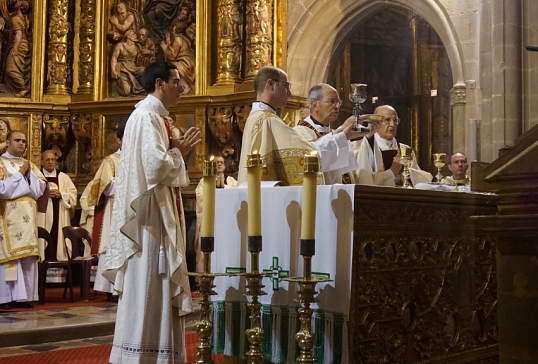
(357,95)
(439,162)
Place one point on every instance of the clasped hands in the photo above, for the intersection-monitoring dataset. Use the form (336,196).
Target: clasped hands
(187,141)
(25,169)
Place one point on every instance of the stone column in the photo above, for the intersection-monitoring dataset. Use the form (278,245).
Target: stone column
(86,47)
(506,71)
(230,44)
(58,48)
(458,100)
(259,36)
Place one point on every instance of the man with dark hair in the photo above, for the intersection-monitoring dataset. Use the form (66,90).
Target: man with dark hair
(146,252)
(282,149)
(21,184)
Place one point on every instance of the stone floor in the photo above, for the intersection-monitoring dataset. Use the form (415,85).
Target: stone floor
(40,330)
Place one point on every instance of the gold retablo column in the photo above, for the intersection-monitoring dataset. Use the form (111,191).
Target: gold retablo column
(57,67)
(86,47)
(230,46)
(259,38)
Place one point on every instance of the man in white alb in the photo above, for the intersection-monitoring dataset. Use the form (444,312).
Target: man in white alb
(146,257)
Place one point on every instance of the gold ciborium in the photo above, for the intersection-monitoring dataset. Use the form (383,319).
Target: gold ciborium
(439,162)
(405,159)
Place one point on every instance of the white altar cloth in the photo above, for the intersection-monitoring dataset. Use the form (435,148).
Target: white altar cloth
(281,225)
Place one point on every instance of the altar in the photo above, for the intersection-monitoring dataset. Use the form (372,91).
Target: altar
(413,277)
(280,258)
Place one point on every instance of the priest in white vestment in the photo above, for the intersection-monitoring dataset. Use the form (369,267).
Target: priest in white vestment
(61,204)
(379,156)
(146,251)
(101,199)
(324,106)
(21,184)
(282,149)
(458,165)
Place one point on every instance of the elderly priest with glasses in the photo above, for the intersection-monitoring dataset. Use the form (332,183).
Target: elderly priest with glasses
(378,155)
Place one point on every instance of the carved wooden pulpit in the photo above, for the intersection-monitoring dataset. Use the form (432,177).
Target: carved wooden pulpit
(514,177)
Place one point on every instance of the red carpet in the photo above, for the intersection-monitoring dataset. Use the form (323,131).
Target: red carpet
(54,299)
(97,354)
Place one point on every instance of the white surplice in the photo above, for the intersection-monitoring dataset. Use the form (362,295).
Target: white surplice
(12,187)
(325,143)
(282,149)
(371,170)
(68,202)
(146,252)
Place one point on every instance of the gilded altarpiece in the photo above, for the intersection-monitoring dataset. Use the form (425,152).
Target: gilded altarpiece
(78,66)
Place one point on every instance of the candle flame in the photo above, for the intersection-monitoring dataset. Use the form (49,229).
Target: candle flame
(211,158)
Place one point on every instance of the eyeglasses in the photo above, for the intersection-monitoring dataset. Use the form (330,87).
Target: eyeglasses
(286,83)
(175,81)
(220,162)
(333,102)
(387,121)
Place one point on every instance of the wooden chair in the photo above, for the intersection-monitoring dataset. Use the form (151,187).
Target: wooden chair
(77,235)
(51,262)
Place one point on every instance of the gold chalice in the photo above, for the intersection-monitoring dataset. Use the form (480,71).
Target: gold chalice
(405,159)
(439,162)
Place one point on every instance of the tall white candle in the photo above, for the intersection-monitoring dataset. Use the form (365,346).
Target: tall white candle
(208,203)
(310,179)
(254,194)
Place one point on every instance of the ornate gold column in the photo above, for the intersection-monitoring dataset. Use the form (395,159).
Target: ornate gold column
(230,46)
(86,47)
(259,36)
(57,67)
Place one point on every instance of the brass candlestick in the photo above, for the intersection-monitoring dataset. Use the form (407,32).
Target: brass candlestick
(406,158)
(307,284)
(254,290)
(439,162)
(254,279)
(204,326)
(307,291)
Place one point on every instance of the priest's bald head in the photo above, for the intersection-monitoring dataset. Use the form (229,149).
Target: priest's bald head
(389,125)
(272,86)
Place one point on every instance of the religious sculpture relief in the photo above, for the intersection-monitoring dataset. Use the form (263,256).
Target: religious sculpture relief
(81,125)
(166,30)
(221,125)
(259,15)
(177,48)
(123,67)
(230,34)
(15,23)
(5,128)
(55,129)
(86,47)
(458,95)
